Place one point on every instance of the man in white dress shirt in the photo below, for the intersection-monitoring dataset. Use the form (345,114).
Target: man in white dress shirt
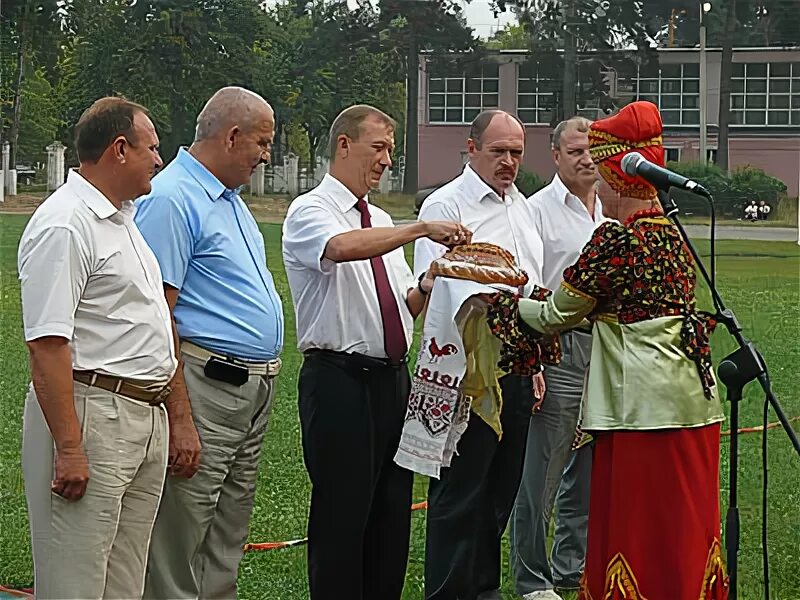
(355,300)
(94,449)
(469,506)
(564,214)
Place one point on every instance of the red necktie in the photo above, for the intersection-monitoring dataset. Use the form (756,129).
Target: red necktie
(394,337)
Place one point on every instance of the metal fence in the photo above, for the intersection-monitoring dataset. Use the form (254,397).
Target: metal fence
(293,177)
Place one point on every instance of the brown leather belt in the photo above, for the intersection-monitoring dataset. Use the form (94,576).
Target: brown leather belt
(153,393)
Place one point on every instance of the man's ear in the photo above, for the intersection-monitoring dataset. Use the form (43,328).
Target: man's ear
(119,147)
(472,147)
(343,146)
(231,137)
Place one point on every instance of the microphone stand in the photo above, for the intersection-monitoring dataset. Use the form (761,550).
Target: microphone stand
(735,371)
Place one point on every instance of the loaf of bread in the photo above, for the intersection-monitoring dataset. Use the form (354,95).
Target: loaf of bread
(481,262)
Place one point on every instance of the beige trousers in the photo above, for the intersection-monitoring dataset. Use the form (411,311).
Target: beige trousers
(96,547)
(203,522)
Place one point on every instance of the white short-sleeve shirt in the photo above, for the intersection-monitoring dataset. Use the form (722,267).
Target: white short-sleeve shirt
(87,275)
(336,304)
(502,221)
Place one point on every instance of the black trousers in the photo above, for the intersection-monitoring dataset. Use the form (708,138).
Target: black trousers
(352,414)
(469,506)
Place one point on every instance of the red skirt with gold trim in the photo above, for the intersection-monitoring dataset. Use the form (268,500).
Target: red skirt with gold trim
(654,522)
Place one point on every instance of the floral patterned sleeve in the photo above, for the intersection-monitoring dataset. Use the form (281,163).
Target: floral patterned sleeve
(603,264)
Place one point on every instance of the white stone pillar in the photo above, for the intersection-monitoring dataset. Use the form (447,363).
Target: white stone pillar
(11,181)
(6,166)
(322,169)
(292,164)
(55,165)
(257,181)
(383,185)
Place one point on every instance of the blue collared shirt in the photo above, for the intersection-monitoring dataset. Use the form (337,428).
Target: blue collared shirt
(208,246)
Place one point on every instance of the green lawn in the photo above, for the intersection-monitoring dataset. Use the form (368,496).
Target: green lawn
(760,280)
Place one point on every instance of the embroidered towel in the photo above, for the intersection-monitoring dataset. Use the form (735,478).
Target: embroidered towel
(438,412)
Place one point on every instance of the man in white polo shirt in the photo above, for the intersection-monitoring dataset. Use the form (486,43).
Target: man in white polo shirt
(102,354)
(564,215)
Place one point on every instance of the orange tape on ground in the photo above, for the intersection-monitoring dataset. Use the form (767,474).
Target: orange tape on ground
(258,547)
(23,593)
(760,427)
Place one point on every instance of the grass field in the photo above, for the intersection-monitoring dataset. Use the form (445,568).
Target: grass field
(759,280)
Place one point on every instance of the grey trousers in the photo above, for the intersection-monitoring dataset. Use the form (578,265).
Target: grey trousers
(554,474)
(203,522)
(95,547)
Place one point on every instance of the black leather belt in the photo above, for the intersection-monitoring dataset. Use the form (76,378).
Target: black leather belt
(354,360)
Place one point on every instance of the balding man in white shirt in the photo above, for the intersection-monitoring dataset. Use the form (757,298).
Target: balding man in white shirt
(355,299)
(95,438)
(469,505)
(564,215)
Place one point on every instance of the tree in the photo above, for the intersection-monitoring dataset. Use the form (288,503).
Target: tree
(168,56)
(575,26)
(406,29)
(29,27)
(726,70)
(513,36)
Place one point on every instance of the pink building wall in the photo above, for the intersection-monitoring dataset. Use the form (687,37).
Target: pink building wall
(441,147)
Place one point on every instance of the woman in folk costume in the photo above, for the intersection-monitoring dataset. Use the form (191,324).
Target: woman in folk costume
(650,399)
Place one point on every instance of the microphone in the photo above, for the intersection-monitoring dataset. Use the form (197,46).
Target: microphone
(635,164)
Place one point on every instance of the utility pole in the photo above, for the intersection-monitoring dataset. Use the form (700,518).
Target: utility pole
(704,7)
(569,103)
(410,177)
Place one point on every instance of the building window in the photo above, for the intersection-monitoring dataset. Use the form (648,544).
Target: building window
(765,94)
(537,92)
(459,98)
(672,154)
(675,89)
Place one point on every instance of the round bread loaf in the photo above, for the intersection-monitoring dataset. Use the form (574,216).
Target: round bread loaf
(481,262)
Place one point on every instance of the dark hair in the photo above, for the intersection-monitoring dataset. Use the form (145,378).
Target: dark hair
(348,123)
(482,121)
(101,123)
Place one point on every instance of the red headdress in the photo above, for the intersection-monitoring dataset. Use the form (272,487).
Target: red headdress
(636,127)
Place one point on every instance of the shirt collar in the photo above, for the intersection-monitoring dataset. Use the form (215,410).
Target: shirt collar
(207,180)
(563,194)
(91,196)
(477,189)
(334,189)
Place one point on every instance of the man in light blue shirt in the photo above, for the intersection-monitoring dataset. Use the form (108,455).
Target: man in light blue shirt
(229,323)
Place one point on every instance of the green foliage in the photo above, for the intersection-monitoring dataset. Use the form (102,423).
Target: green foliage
(529,182)
(297,140)
(751,181)
(513,36)
(730,193)
(41,125)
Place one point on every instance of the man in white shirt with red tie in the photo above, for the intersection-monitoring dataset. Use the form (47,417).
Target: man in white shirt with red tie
(355,301)
(469,505)
(564,215)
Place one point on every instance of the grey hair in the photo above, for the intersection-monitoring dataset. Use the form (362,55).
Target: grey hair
(229,106)
(581,124)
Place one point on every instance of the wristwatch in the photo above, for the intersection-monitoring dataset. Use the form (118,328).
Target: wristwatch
(419,284)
